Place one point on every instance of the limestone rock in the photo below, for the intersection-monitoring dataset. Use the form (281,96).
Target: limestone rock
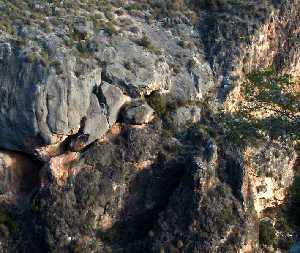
(270,170)
(138,113)
(135,70)
(39,106)
(67,71)
(186,114)
(113,99)
(96,122)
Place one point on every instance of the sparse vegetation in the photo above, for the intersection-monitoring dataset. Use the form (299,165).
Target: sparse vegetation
(7,221)
(185,44)
(146,42)
(110,28)
(31,58)
(266,233)
(271,93)
(158,102)
(270,108)
(56,64)
(43,17)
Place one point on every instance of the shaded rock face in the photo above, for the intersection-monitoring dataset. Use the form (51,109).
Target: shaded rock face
(135,193)
(19,176)
(66,93)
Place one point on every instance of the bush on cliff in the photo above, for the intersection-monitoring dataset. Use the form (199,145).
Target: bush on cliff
(266,233)
(270,106)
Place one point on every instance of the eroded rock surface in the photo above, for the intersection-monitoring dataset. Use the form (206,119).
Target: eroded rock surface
(138,113)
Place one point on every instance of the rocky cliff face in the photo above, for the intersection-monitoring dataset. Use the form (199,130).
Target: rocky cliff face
(109,138)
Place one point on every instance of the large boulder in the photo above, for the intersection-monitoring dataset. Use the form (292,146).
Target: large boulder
(38,105)
(184,115)
(113,98)
(138,113)
(42,106)
(137,71)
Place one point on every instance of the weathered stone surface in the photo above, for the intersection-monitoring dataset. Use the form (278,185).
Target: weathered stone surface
(5,51)
(138,113)
(96,123)
(135,70)
(186,114)
(56,84)
(270,171)
(113,98)
(38,106)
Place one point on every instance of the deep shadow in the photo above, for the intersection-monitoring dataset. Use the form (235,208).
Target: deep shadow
(232,173)
(23,173)
(149,194)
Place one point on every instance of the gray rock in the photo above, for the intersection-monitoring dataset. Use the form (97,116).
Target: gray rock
(52,44)
(134,69)
(138,113)
(114,99)
(96,122)
(192,83)
(5,50)
(185,114)
(38,106)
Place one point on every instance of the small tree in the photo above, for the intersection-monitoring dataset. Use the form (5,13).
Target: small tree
(265,90)
(271,104)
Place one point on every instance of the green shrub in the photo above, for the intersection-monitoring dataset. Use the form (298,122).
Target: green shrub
(266,233)
(6,220)
(31,58)
(147,43)
(227,215)
(133,6)
(185,44)
(110,28)
(158,102)
(82,46)
(57,65)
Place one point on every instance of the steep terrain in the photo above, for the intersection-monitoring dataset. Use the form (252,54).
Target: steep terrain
(109,131)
